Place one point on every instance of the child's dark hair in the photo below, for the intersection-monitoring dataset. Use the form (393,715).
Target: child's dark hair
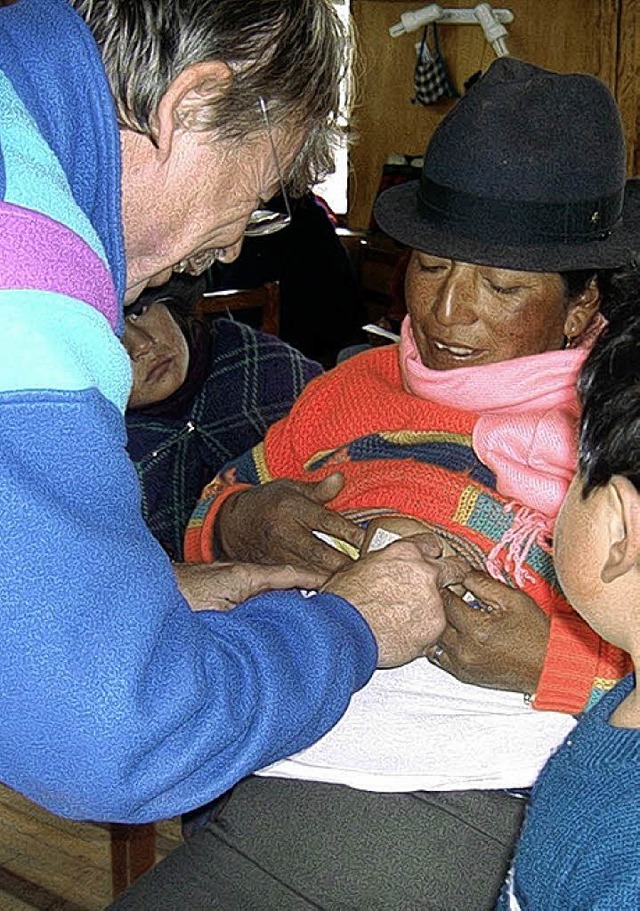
(610,392)
(180,294)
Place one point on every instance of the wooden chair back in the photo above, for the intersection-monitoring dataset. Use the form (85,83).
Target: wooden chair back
(265,298)
(133,852)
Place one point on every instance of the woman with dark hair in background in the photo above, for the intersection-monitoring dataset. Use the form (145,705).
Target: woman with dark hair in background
(202,393)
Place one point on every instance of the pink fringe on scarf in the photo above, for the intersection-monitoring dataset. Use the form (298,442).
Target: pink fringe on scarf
(526,433)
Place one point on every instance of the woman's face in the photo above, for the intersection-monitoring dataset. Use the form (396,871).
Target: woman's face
(159,354)
(464,315)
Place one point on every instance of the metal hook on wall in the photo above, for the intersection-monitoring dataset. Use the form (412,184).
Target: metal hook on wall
(490,20)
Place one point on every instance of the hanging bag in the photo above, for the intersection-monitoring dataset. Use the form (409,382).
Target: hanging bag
(431,78)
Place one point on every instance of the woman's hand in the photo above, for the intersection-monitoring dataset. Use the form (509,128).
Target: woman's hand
(220,586)
(503,648)
(273,523)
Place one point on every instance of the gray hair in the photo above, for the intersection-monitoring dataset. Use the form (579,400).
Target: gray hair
(294,53)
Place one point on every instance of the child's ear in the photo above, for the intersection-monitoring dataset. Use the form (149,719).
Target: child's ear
(624,529)
(179,107)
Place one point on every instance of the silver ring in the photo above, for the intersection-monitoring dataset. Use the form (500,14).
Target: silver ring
(438,652)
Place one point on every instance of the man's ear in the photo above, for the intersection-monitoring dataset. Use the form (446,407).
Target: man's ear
(197,85)
(624,529)
(582,309)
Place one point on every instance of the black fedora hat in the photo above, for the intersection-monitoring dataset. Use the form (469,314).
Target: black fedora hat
(526,172)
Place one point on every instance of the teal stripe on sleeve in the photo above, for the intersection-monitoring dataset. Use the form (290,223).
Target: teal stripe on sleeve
(34,176)
(49,341)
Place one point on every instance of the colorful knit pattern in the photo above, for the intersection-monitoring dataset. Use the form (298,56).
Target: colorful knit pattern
(601,685)
(451,451)
(403,455)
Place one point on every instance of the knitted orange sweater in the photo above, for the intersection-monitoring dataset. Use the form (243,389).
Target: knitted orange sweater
(401,454)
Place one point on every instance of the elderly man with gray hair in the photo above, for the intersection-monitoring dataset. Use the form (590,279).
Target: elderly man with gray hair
(137,138)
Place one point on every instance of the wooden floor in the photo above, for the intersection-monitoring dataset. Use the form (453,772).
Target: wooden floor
(51,864)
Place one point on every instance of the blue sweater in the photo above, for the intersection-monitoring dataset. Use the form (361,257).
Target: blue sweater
(580,845)
(116,701)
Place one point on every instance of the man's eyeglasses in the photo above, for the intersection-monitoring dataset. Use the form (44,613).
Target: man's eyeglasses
(266,221)
(261,221)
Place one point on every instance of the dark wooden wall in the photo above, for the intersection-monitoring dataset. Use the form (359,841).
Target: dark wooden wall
(601,37)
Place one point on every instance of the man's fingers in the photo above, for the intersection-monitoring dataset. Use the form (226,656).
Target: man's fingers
(429,543)
(222,587)
(449,569)
(284,577)
(426,543)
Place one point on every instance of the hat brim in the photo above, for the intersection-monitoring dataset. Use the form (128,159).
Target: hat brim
(396,212)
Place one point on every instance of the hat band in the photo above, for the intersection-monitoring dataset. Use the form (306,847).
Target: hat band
(518,221)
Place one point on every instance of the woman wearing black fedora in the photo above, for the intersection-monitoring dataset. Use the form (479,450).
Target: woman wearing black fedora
(518,228)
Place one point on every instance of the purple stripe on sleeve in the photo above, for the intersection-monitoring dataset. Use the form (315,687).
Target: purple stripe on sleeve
(39,253)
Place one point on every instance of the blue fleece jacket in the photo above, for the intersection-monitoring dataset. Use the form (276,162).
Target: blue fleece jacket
(116,701)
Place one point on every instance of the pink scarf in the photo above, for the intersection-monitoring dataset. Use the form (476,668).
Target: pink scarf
(526,432)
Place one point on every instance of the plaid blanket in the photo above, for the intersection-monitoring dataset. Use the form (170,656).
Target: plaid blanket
(250,380)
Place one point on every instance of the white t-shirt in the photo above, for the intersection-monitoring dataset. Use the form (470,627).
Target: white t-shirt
(417,728)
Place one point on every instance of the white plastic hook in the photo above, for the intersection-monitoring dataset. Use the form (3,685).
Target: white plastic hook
(415,19)
(494,30)
(491,20)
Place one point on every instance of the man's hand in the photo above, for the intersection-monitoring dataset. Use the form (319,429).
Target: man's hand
(504,647)
(220,586)
(273,523)
(397,591)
